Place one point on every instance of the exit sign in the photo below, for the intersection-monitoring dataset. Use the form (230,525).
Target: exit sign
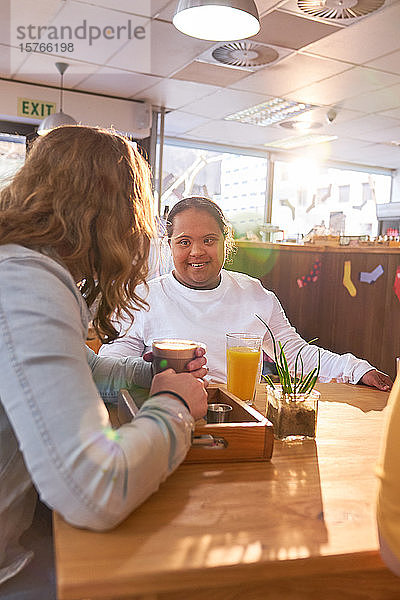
(36,109)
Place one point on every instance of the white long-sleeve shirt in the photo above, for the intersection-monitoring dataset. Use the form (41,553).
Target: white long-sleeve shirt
(207,315)
(55,434)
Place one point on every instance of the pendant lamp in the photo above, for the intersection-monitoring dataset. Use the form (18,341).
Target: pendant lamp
(60,118)
(217,20)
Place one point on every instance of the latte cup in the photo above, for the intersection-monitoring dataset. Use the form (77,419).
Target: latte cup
(173,354)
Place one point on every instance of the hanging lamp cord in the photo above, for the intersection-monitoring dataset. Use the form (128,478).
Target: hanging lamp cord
(61,92)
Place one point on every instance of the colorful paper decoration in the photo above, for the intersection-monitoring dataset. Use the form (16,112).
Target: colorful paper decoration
(371,277)
(312,276)
(347,282)
(396,285)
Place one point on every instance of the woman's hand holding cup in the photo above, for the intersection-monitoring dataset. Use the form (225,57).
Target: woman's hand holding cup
(191,389)
(196,367)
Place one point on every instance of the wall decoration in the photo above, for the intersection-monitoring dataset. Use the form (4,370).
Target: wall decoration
(312,276)
(347,282)
(371,277)
(396,285)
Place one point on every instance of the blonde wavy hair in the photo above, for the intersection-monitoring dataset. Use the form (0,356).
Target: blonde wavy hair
(85,194)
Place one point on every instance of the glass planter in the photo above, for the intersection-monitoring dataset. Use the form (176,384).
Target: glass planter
(293,417)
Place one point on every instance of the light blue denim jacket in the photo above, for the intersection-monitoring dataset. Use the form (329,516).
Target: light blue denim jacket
(55,435)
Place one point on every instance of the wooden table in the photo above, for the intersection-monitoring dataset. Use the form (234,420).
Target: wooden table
(300,526)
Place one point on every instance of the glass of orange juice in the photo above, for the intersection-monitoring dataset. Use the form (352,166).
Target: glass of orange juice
(243,359)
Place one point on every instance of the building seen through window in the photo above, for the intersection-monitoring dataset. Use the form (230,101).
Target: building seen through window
(12,156)
(306,195)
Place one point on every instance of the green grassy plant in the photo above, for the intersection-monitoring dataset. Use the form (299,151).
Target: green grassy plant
(299,383)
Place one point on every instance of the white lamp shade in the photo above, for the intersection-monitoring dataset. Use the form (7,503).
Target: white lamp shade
(217,20)
(53,121)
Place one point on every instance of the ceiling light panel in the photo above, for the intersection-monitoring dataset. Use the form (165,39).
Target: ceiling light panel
(268,113)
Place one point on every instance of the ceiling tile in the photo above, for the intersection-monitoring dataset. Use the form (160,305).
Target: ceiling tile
(177,122)
(384,99)
(394,113)
(289,74)
(237,134)
(22,16)
(224,102)
(206,73)
(12,60)
(365,124)
(170,51)
(118,83)
(265,6)
(94,34)
(5,66)
(26,12)
(138,7)
(343,118)
(365,40)
(163,9)
(5,24)
(381,135)
(345,148)
(291,31)
(389,62)
(172,93)
(342,86)
(40,68)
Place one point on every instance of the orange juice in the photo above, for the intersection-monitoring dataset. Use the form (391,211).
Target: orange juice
(242,366)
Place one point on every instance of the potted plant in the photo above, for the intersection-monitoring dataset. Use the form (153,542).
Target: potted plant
(292,404)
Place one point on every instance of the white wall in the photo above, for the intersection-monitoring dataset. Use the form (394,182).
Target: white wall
(85,108)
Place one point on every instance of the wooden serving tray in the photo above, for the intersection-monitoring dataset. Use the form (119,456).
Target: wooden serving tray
(247,436)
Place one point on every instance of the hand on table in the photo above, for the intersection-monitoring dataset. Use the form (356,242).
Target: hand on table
(375,378)
(196,367)
(192,389)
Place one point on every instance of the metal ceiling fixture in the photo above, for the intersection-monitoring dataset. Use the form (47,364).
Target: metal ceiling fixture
(339,9)
(245,54)
(60,118)
(300,125)
(217,20)
(270,112)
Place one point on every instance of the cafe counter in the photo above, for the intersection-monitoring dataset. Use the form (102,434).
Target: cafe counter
(344,296)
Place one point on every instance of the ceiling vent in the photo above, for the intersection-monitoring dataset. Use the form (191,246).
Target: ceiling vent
(338,10)
(243,54)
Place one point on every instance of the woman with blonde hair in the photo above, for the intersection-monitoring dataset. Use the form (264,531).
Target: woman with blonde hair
(78,212)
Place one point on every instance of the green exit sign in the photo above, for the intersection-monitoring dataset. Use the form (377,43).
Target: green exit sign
(36,109)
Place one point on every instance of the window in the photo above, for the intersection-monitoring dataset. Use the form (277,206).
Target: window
(307,195)
(12,156)
(344,193)
(14,136)
(367,192)
(232,180)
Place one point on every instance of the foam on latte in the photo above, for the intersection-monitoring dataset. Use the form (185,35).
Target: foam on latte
(172,354)
(174,345)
